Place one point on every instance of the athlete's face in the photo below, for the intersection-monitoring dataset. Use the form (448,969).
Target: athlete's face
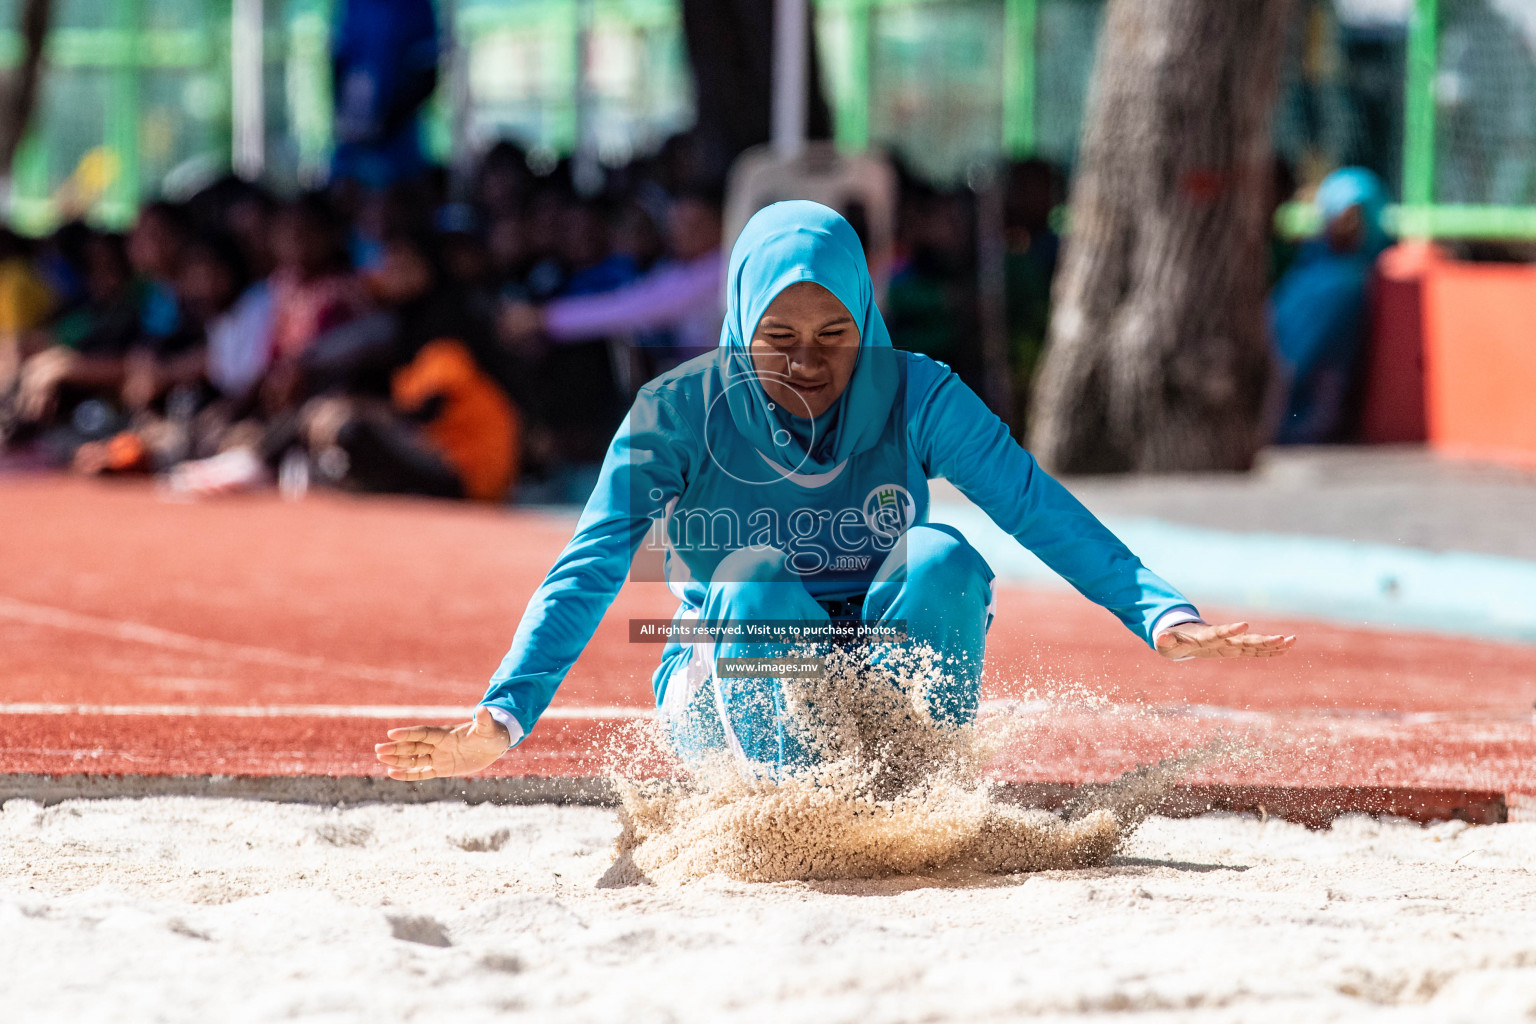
(804,349)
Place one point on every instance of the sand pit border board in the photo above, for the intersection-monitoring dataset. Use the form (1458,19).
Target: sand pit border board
(1314,807)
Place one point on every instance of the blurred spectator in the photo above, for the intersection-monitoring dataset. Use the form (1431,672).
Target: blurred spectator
(414,301)
(156,247)
(931,307)
(105,323)
(676,306)
(383,68)
(236,312)
(376,214)
(586,252)
(25,300)
(636,236)
(60,261)
(445,429)
(218,303)
(543,224)
(504,180)
(1318,310)
(240,210)
(405,402)
(107,357)
(466,255)
(313,290)
(606,330)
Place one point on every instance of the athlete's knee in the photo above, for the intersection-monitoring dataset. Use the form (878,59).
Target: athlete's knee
(938,555)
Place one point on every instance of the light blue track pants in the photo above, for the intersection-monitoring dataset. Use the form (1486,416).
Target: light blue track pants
(935,582)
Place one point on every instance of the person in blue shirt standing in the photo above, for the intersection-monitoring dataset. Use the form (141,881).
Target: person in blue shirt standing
(788,472)
(383,68)
(1319,311)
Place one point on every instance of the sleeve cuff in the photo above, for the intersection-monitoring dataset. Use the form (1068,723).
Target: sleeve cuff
(506,718)
(1174,617)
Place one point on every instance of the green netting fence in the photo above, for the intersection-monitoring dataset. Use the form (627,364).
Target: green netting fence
(1438,96)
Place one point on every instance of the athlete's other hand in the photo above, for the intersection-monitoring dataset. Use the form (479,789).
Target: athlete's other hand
(419,752)
(1203,640)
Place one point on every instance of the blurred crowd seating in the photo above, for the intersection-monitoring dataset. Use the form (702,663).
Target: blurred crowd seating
(478,338)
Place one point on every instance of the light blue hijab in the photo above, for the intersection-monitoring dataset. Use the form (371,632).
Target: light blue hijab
(781,245)
(1355,186)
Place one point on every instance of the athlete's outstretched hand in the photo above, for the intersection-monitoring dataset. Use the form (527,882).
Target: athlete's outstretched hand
(419,752)
(1203,640)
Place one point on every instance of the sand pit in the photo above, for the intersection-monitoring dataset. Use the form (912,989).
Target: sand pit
(180,909)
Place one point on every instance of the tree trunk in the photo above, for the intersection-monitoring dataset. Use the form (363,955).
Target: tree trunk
(730,48)
(1158,358)
(18,92)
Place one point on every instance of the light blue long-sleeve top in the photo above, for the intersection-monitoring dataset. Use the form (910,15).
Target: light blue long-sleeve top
(705,463)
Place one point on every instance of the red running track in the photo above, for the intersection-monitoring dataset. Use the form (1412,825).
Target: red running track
(256,636)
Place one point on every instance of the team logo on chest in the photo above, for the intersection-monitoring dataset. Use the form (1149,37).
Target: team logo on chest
(889,510)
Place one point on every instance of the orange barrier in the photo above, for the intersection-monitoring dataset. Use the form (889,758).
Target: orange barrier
(1480,360)
(1452,359)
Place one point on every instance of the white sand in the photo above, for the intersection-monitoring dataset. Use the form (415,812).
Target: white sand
(215,910)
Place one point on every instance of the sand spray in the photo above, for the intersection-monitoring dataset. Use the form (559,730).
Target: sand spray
(893,790)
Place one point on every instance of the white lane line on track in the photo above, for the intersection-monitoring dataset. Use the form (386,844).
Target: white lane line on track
(987,708)
(304,711)
(119,629)
(615,711)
